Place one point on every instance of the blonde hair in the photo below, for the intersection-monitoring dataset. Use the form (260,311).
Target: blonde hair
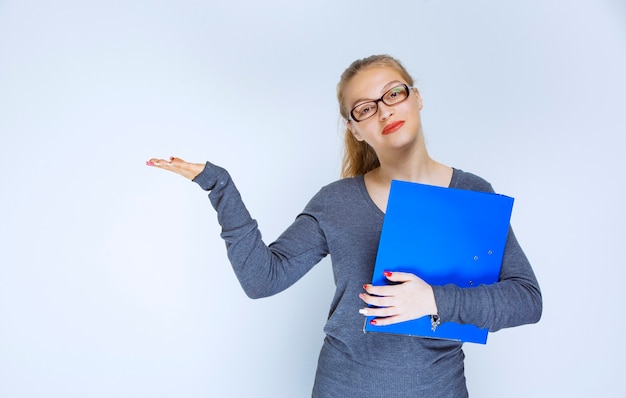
(359,157)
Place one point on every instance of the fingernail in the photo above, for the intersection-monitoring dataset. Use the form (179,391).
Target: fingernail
(387,273)
(149,163)
(171,158)
(363,311)
(365,286)
(373,322)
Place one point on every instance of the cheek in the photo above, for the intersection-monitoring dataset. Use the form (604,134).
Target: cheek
(365,131)
(412,108)
(417,102)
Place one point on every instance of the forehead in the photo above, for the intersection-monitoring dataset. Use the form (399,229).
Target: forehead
(371,83)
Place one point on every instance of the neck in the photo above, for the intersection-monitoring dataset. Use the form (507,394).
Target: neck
(413,166)
(422,173)
(417,167)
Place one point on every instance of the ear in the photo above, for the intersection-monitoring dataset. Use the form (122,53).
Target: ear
(352,129)
(418,96)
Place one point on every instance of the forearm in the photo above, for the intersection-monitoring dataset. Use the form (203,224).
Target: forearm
(262,270)
(514,300)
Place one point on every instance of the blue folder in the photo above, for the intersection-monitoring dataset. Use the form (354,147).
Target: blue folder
(442,235)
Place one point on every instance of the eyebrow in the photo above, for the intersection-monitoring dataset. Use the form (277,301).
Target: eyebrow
(385,88)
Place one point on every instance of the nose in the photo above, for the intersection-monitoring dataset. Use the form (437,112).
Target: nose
(384,111)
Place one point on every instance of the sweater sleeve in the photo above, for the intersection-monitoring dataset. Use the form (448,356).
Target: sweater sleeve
(262,270)
(514,300)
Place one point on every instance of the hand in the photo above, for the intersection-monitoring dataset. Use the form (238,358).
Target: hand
(178,166)
(412,298)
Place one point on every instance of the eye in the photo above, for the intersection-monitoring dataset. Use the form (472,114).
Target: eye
(365,110)
(396,94)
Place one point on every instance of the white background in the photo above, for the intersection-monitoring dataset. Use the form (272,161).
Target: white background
(113,279)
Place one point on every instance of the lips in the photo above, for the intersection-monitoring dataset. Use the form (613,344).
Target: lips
(392,127)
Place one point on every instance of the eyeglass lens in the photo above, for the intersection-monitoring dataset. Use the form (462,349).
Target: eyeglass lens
(394,96)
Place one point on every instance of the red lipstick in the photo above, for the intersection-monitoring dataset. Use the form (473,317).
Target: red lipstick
(392,127)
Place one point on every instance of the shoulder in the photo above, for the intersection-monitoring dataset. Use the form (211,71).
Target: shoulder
(339,192)
(343,185)
(465,180)
(342,190)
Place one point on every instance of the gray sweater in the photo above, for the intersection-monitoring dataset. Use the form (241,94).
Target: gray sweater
(343,221)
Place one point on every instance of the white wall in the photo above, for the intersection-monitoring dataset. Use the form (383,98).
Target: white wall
(113,279)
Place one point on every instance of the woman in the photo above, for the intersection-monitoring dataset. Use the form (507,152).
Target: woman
(384,141)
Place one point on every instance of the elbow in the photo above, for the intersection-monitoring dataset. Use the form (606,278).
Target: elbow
(525,311)
(538,307)
(532,300)
(533,305)
(254,292)
(253,286)
(257,291)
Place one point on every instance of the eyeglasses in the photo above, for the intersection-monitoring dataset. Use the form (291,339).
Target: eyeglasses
(394,96)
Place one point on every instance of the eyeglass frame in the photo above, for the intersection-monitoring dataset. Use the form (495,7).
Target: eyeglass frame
(381,99)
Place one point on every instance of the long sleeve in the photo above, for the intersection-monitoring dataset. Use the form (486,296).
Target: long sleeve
(262,270)
(514,300)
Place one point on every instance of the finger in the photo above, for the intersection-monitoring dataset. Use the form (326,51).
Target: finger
(162,163)
(396,277)
(174,164)
(176,161)
(377,301)
(399,276)
(178,166)
(390,320)
(379,312)
(381,291)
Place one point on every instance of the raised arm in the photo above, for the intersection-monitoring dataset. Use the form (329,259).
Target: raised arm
(262,270)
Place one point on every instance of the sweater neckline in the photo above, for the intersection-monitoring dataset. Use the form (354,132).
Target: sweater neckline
(370,202)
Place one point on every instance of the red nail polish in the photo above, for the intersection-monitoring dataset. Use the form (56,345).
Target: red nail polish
(387,273)
(149,163)
(373,322)
(365,286)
